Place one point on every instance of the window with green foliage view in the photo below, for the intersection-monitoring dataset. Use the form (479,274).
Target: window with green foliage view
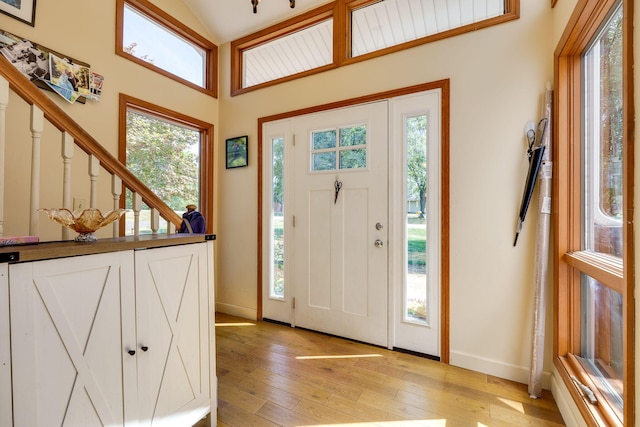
(165,156)
(277,244)
(594,212)
(343,148)
(415,294)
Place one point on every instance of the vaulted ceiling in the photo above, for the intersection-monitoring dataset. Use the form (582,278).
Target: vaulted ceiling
(228,20)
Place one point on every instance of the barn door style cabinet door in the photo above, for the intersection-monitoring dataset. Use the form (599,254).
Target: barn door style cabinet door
(5,349)
(172,354)
(112,339)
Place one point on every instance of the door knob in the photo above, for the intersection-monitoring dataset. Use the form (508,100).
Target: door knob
(379,243)
(378,226)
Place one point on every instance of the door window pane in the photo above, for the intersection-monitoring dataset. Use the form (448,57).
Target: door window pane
(351,152)
(324,161)
(415,295)
(324,139)
(355,135)
(353,159)
(603,213)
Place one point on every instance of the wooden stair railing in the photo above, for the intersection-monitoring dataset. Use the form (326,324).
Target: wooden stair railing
(42,107)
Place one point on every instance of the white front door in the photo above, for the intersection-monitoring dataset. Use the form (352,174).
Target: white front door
(328,265)
(340,232)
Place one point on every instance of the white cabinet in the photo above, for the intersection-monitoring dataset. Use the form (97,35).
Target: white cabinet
(121,338)
(172,336)
(6,416)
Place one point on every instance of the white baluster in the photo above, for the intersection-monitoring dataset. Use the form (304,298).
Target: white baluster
(116,191)
(170,228)
(37,125)
(94,171)
(155,220)
(67,155)
(4,101)
(137,206)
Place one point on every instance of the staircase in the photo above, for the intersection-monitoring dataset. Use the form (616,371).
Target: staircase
(43,111)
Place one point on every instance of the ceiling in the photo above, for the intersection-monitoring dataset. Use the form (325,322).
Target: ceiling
(227,20)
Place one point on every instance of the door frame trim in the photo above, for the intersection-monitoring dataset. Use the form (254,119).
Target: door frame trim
(444,86)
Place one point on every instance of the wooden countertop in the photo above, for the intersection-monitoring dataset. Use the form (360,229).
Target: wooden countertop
(68,248)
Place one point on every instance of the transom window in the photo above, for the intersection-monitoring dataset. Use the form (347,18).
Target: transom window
(289,55)
(390,23)
(343,148)
(347,31)
(155,40)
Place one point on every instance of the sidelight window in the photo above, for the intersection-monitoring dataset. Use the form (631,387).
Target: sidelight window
(415,290)
(277,283)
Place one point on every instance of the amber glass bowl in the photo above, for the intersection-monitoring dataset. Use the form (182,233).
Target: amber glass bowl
(84,222)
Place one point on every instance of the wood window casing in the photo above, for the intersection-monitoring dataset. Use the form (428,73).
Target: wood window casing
(207,195)
(274,32)
(165,20)
(445,247)
(570,260)
(340,10)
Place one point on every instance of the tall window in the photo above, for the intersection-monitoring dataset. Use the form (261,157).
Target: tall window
(170,154)
(593,197)
(154,39)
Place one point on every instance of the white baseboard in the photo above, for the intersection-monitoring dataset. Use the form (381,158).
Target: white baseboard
(568,409)
(496,368)
(234,310)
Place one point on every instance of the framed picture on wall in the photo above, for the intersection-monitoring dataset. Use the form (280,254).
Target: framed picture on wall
(237,152)
(22,10)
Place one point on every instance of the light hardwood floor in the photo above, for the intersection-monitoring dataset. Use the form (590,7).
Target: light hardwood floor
(275,375)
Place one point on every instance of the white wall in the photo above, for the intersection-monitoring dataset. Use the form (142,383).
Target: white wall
(86,31)
(498,77)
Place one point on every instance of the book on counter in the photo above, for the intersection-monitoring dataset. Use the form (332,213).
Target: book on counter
(18,240)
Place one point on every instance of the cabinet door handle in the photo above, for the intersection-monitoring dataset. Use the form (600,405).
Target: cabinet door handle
(131,352)
(144,348)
